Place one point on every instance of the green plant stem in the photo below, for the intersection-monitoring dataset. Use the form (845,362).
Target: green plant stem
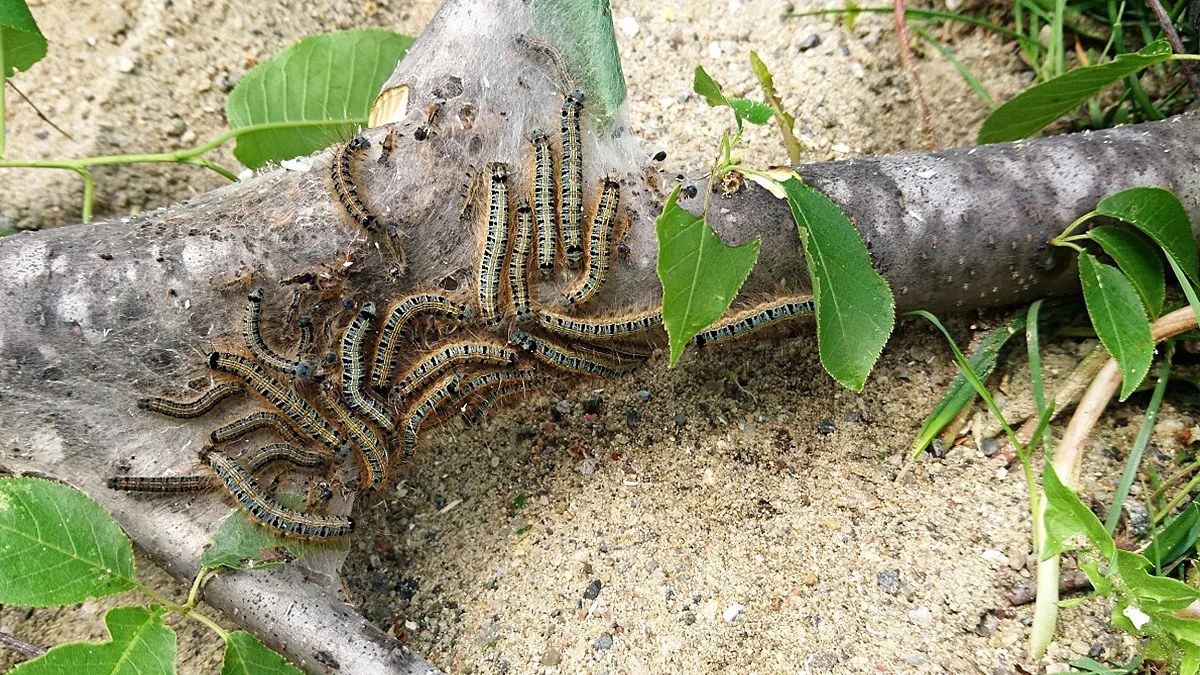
(1033,347)
(1057,56)
(194,592)
(184,610)
(1172,479)
(1179,497)
(3,87)
(1066,233)
(1140,442)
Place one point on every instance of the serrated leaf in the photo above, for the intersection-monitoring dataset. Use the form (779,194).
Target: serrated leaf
(752,111)
(57,546)
(582,32)
(1069,524)
(1159,214)
(787,123)
(854,305)
(1028,112)
(1119,319)
(707,87)
(241,543)
(21,41)
(961,391)
(1138,260)
(245,655)
(700,275)
(141,644)
(314,93)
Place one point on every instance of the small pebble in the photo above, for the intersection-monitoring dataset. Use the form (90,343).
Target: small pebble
(593,590)
(680,421)
(810,42)
(605,641)
(826,426)
(988,622)
(689,618)
(592,403)
(921,616)
(1096,650)
(889,581)
(915,660)
(732,611)
(551,658)
(989,447)
(660,155)
(644,396)
(126,65)
(937,448)
(853,417)
(633,417)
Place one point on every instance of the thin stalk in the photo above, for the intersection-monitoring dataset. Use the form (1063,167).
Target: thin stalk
(1140,442)
(3,113)
(927,14)
(1168,29)
(1033,346)
(968,76)
(1175,501)
(1057,58)
(1179,475)
(26,649)
(184,610)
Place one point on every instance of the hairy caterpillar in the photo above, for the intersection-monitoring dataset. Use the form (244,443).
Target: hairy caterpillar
(518,263)
(561,357)
(252,334)
(354,370)
(266,455)
(186,410)
(394,330)
(262,507)
(570,188)
(745,323)
(445,388)
(459,353)
(244,426)
(343,183)
(375,455)
(495,245)
(543,201)
(597,272)
(600,329)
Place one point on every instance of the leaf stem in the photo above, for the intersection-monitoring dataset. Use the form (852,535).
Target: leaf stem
(185,610)
(3,113)
(1072,227)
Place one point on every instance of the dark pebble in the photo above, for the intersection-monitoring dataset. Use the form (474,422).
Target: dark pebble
(407,588)
(633,417)
(591,404)
(1096,650)
(439,502)
(526,433)
(603,642)
(492,585)
(689,618)
(660,155)
(853,417)
(889,581)
(680,421)
(379,583)
(644,396)
(989,447)
(810,42)
(937,448)
(593,590)
(826,426)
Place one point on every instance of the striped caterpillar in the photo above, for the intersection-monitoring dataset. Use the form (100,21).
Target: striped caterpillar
(597,272)
(570,188)
(394,330)
(185,410)
(518,263)
(600,329)
(491,263)
(252,334)
(751,320)
(459,353)
(354,372)
(561,357)
(543,201)
(343,183)
(265,456)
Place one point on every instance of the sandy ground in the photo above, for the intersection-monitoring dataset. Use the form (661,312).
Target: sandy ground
(736,514)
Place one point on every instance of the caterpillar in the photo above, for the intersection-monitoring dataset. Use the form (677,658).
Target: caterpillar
(375,455)
(266,455)
(570,188)
(599,329)
(244,426)
(597,272)
(252,334)
(550,56)
(518,263)
(498,384)
(462,352)
(543,201)
(304,345)
(494,247)
(560,356)
(445,388)
(354,370)
(343,183)
(186,410)
(751,320)
(262,507)
(394,330)
(285,400)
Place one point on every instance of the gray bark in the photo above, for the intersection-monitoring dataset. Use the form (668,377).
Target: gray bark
(101,314)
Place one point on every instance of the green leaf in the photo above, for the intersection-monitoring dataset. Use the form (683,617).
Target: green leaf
(1119,319)
(141,644)
(582,32)
(21,42)
(311,94)
(1153,594)
(707,87)
(700,275)
(1068,523)
(240,543)
(854,305)
(961,391)
(1138,260)
(1159,214)
(784,119)
(245,655)
(752,111)
(59,547)
(1177,538)
(1031,110)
